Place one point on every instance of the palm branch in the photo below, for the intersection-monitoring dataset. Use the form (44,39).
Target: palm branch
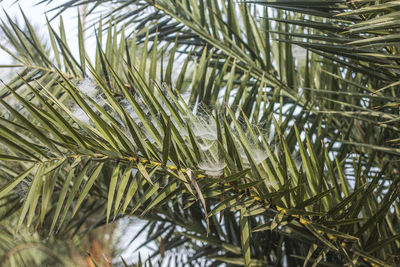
(239,154)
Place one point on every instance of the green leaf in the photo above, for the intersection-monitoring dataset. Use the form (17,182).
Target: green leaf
(111,189)
(166,191)
(142,169)
(314,199)
(245,237)
(87,187)
(166,142)
(147,195)
(122,187)
(236,176)
(62,196)
(33,193)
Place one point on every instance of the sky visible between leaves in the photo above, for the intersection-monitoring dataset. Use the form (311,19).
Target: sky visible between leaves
(36,15)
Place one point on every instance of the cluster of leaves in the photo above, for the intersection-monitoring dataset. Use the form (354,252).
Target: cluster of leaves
(327,191)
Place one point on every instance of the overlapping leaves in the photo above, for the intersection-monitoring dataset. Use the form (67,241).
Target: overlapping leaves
(74,151)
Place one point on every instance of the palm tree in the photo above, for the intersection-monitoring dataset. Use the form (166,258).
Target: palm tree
(255,133)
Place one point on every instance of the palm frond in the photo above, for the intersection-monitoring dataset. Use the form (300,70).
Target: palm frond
(242,155)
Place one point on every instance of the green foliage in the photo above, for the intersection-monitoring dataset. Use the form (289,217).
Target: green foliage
(202,118)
